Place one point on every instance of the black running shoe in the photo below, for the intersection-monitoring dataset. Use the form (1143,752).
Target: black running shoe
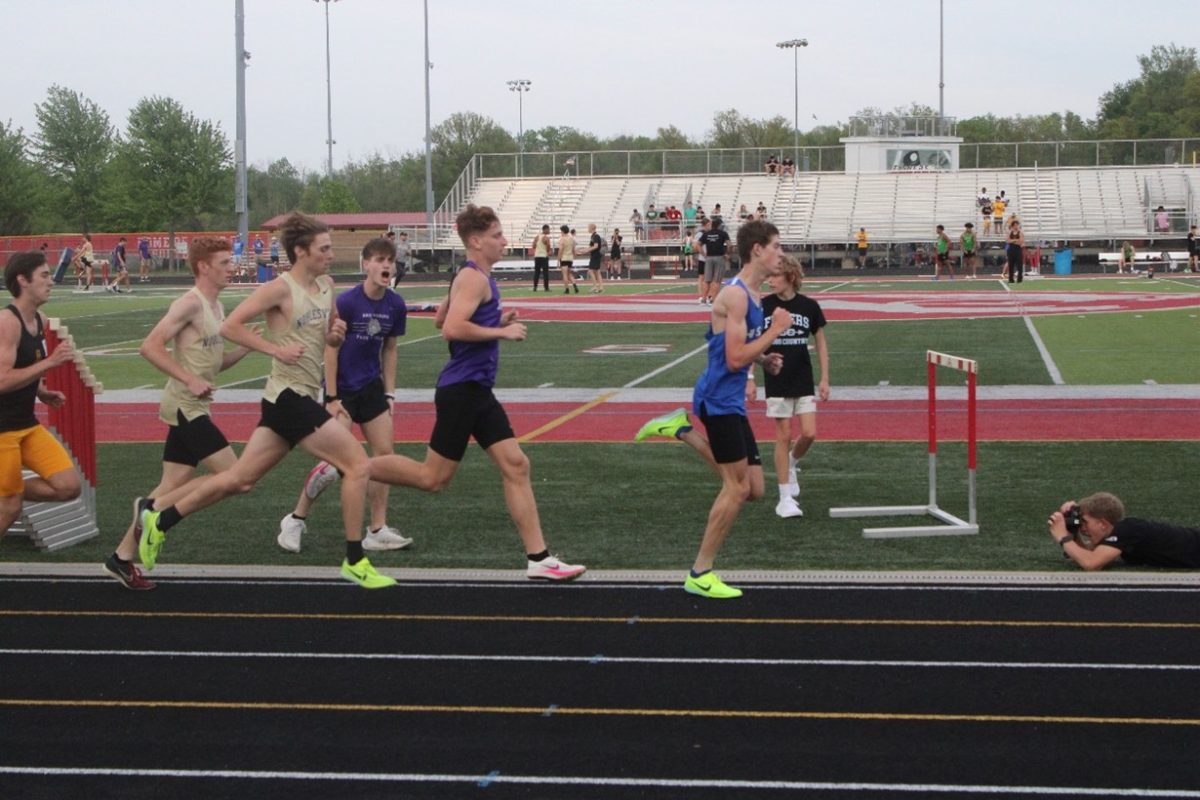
(128,574)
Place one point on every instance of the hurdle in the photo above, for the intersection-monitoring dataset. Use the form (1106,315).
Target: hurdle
(53,526)
(952,525)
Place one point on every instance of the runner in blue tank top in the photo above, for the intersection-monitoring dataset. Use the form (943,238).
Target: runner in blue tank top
(736,340)
(473,323)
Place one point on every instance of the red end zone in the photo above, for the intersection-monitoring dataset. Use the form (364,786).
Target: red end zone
(852,306)
(845,420)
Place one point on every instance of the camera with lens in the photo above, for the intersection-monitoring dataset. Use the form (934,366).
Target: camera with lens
(1073,519)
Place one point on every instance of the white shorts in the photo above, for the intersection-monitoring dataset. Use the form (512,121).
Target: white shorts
(787,407)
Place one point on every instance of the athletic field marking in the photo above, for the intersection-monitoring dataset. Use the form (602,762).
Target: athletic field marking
(880,789)
(586,620)
(264,377)
(1051,368)
(834,286)
(570,415)
(665,367)
(586,711)
(602,659)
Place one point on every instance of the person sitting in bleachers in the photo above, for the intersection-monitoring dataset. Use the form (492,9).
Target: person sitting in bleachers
(772,166)
(788,167)
(761,211)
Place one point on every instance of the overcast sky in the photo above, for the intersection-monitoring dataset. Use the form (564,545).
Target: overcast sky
(610,67)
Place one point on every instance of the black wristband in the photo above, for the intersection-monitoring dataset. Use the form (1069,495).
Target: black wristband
(329,398)
(1069,537)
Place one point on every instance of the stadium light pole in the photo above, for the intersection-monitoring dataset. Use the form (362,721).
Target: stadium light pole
(328,90)
(794,45)
(239,157)
(520,86)
(428,140)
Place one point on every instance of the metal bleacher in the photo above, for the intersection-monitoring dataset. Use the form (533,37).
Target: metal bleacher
(1101,203)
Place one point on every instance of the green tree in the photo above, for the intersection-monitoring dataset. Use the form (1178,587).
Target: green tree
(273,191)
(18,182)
(178,167)
(336,198)
(74,142)
(459,137)
(1149,105)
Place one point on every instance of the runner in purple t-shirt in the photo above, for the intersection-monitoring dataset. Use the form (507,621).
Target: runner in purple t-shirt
(364,371)
(472,321)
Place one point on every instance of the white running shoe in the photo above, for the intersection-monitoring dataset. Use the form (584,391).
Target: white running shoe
(788,507)
(290,531)
(320,478)
(386,538)
(551,569)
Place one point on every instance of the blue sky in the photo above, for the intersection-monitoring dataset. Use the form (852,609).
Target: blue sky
(614,67)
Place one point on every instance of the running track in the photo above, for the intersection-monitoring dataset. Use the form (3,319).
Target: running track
(316,689)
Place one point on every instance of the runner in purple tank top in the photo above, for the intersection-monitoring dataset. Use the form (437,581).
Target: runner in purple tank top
(360,378)
(473,323)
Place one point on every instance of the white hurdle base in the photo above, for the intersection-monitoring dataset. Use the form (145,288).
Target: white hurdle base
(953,526)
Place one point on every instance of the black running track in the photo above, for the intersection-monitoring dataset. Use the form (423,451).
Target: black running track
(435,690)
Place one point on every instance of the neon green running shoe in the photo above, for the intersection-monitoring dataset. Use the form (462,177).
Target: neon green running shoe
(667,426)
(151,540)
(710,585)
(365,575)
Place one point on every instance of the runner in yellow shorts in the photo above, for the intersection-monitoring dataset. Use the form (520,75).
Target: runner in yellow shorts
(24,443)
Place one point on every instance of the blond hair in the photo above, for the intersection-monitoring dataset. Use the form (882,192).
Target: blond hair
(792,272)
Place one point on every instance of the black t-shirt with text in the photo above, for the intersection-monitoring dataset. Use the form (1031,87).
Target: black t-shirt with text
(714,242)
(597,254)
(796,378)
(1155,544)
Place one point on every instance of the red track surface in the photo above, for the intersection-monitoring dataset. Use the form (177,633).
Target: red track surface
(999,420)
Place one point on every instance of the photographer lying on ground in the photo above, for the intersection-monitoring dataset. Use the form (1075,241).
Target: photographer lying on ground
(1094,532)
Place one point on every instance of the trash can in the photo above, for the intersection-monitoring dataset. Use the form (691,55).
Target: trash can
(1062,261)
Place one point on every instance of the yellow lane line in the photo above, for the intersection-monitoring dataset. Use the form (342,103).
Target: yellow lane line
(570,415)
(854,716)
(587,620)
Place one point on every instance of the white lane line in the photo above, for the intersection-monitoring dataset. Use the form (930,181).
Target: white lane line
(602,659)
(495,777)
(264,377)
(665,367)
(1051,368)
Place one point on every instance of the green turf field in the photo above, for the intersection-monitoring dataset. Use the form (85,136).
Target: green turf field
(631,506)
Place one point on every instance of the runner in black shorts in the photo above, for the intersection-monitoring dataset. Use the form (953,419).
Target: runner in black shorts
(197,354)
(300,315)
(465,410)
(292,416)
(473,322)
(731,439)
(363,377)
(191,441)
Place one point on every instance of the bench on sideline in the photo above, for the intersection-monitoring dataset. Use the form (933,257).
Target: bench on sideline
(1176,259)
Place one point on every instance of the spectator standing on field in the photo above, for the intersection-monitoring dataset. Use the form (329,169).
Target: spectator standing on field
(793,392)
(541,258)
(145,260)
(715,241)
(969,246)
(863,245)
(595,251)
(616,256)
(566,259)
(1193,249)
(941,258)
